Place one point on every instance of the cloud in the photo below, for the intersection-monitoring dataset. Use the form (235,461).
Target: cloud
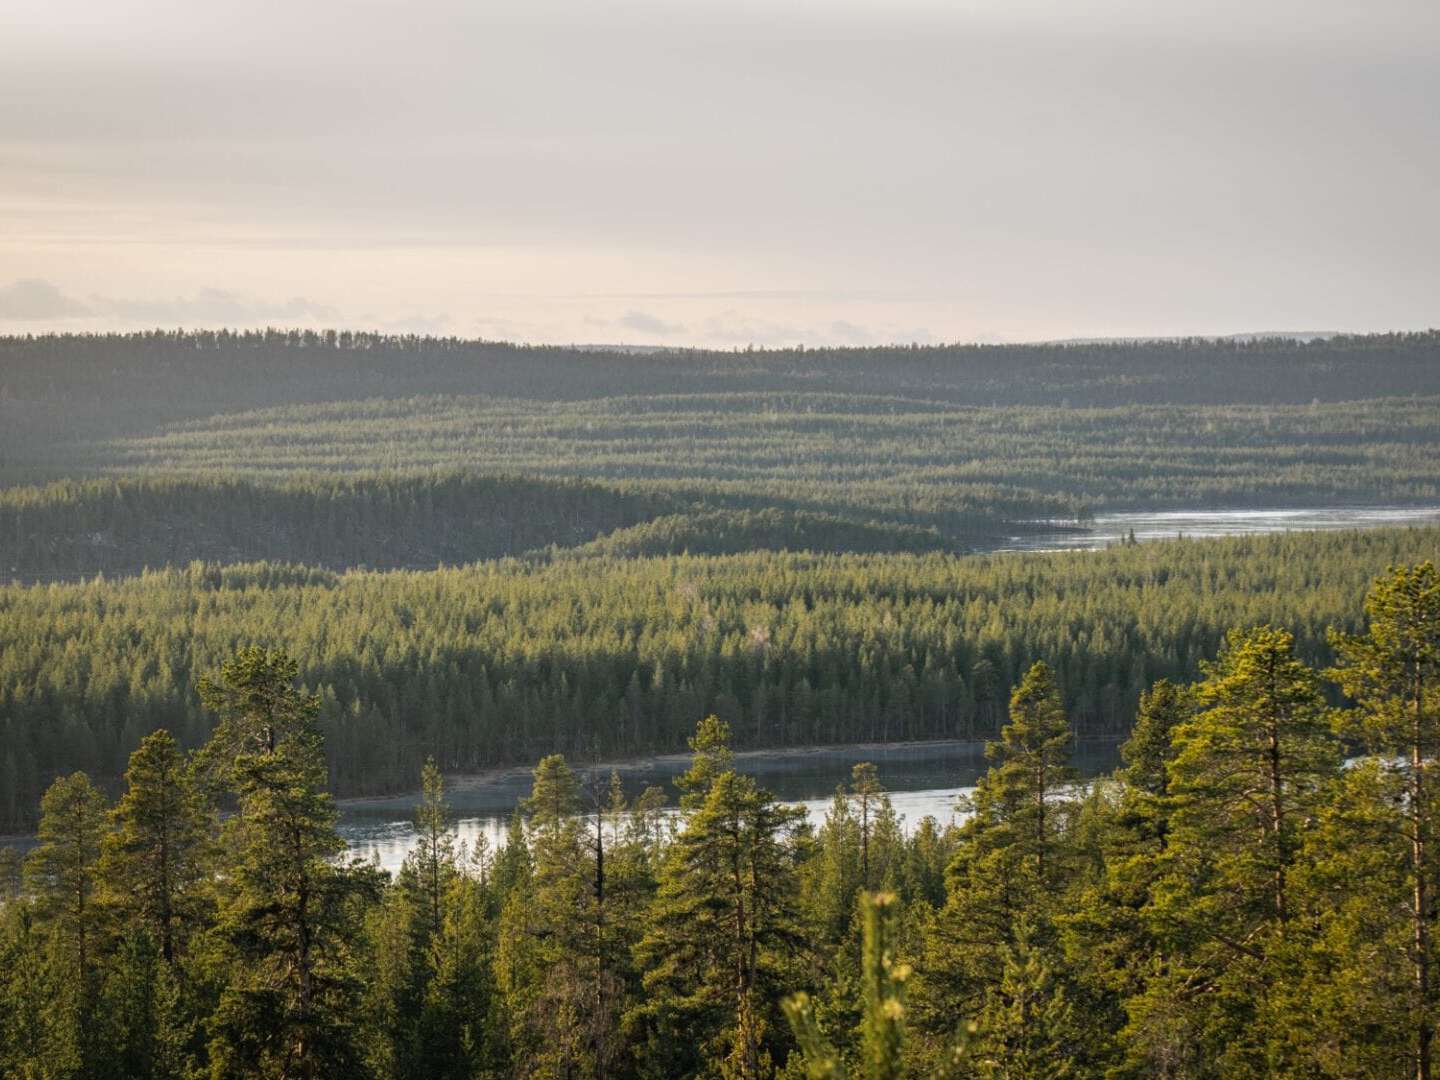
(844,332)
(34,298)
(736,328)
(214,307)
(643,322)
(416,322)
(37,300)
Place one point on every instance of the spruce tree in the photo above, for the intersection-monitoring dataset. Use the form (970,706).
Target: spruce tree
(10,876)
(432,863)
(460,1032)
(1028,1030)
(25,994)
(880,1055)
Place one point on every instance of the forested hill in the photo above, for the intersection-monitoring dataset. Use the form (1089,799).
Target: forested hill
(111,384)
(340,450)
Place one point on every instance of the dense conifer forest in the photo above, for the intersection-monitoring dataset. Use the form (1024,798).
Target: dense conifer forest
(124,452)
(502,662)
(249,572)
(1237,899)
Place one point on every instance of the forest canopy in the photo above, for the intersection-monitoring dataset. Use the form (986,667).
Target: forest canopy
(120,452)
(1234,900)
(502,662)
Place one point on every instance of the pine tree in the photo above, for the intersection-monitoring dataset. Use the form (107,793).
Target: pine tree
(1249,766)
(561,996)
(1392,672)
(289,915)
(866,792)
(1347,1005)
(157,854)
(711,759)
(1011,860)
(724,923)
(1249,771)
(1028,1030)
(62,876)
(258,707)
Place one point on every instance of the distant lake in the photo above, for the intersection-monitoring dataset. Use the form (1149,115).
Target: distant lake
(923,779)
(1109,529)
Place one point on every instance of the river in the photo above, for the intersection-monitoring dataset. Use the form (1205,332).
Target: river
(1109,529)
(923,779)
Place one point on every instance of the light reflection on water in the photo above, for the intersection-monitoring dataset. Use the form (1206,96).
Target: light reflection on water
(923,780)
(1110,529)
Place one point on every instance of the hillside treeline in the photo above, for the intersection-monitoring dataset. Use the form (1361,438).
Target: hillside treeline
(499,663)
(81,528)
(62,390)
(422,482)
(124,525)
(822,450)
(734,532)
(1234,901)
(214,371)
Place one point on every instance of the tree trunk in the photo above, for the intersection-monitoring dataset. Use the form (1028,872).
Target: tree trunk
(1424,1033)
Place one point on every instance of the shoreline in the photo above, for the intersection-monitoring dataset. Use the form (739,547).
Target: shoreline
(776,760)
(676,762)
(779,760)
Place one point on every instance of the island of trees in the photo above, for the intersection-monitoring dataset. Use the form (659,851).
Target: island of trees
(1252,893)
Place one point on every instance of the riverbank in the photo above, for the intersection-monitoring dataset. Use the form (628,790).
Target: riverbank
(491,786)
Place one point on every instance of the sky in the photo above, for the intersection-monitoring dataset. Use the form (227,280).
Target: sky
(721,173)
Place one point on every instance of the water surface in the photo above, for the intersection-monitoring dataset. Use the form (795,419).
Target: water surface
(1110,529)
(923,779)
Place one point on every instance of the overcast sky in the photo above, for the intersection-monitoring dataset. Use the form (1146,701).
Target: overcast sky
(722,173)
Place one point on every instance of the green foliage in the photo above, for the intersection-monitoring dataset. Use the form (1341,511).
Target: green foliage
(288,917)
(1231,902)
(224,447)
(884,975)
(503,663)
(157,854)
(433,862)
(1393,674)
(61,876)
(61,873)
(1013,860)
(1028,1030)
(723,929)
(1018,795)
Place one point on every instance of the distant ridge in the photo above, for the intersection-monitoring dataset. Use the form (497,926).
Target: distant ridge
(1241,339)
